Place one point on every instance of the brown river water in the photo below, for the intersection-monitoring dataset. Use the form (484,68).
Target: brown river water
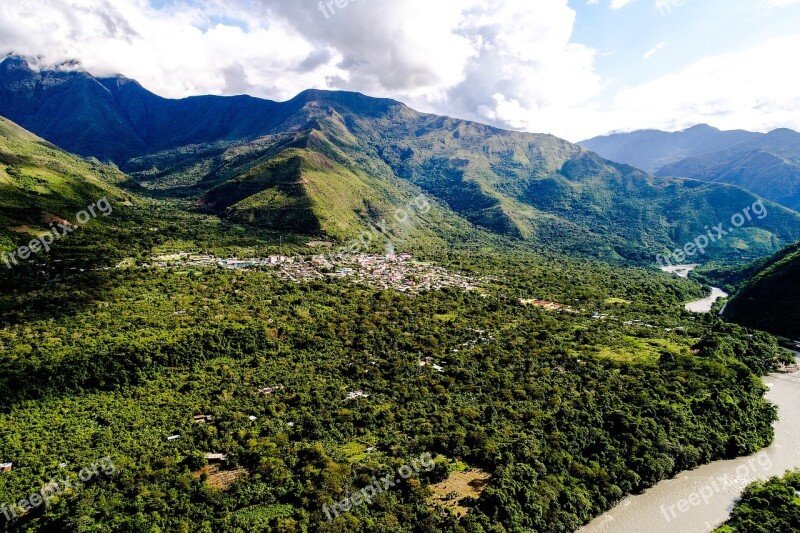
(699,500)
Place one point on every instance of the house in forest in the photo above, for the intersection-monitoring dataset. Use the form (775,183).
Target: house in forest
(6,467)
(216,457)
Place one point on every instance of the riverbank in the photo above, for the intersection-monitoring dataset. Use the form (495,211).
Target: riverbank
(706,304)
(699,306)
(699,500)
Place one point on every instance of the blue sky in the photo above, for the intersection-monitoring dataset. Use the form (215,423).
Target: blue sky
(574,68)
(689,32)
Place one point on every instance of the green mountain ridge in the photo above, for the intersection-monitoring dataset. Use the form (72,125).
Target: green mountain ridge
(535,190)
(770,299)
(530,188)
(40,183)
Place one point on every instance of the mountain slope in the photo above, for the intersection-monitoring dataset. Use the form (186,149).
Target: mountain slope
(768,166)
(335,163)
(651,150)
(115,118)
(530,187)
(39,182)
(770,300)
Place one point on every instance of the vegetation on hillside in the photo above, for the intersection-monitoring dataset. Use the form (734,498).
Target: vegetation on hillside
(535,189)
(306,391)
(768,298)
(568,411)
(40,183)
(771,506)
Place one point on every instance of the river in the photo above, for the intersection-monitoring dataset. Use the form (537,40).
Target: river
(699,306)
(699,500)
(705,305)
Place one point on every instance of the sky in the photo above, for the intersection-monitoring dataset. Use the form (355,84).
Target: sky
(573,68)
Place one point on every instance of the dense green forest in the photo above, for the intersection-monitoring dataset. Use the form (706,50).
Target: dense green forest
(102,355)
(179,396)
(771,506)
(769,297)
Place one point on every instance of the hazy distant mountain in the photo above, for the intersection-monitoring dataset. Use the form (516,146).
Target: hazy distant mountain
(335,163)
(766,164)
(651,150)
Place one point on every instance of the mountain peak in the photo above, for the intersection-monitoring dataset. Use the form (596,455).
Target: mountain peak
(349,100)
(701,128)
(783,133)
(13,61)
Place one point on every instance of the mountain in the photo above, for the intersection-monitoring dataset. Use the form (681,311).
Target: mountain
(770,300)
(337,164)
(116,118)
(40,183)
(766,164)
(528,187)
(651,150)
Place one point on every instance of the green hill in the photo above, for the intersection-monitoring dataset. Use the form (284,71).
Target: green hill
(40,183)
(770,300)
(339,168)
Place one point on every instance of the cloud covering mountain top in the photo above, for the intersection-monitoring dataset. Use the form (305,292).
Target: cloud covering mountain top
(508,63)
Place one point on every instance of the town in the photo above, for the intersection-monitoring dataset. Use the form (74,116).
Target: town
(399,272)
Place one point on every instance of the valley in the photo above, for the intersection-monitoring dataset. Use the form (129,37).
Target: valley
(396,272)
(291,301)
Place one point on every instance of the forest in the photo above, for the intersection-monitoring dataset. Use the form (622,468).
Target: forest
(310,390)
(771,506)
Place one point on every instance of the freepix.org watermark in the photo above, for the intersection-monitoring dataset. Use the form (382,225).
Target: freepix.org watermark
(665,7)
(328,7)
(712,235)
(404,220)
(378,486)
(57,487)
(744,475)
(57,231)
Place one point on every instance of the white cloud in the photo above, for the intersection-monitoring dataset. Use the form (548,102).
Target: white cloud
(503,61)
(618,4)
(778,3)
(525,67)
(509,63)
(753,89)
(165,50)
(410,48)
(498,61)
(653,51)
